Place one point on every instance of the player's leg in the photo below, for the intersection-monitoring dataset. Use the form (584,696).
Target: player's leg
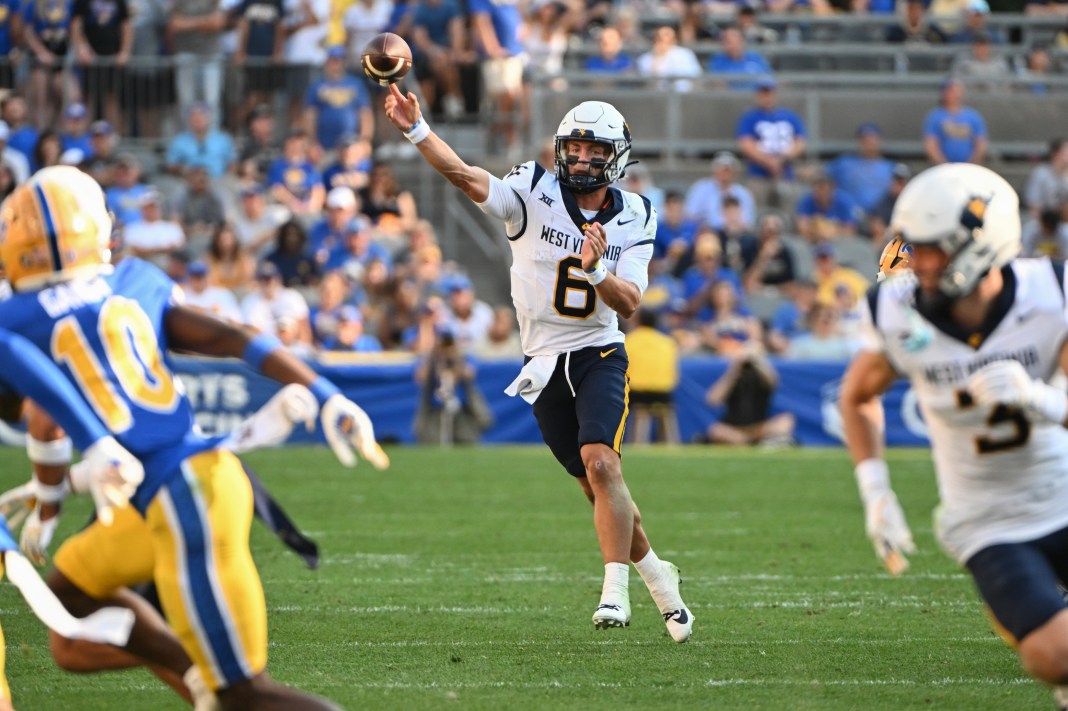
(208,584)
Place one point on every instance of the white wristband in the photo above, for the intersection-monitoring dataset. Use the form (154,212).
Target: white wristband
(1050,402)
(55,453)
(873,478)
(49,493)
(599,274)
(419,131)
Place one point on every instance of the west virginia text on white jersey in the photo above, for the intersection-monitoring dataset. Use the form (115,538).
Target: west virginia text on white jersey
(557,308)
(1001,477)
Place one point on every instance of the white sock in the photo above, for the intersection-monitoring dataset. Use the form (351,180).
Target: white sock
(650,569)
(616,579)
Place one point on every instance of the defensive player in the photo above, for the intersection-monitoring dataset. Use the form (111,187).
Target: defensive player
(108,330)
(979,334)
(580,255)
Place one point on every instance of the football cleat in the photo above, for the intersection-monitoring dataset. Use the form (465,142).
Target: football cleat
(609,614)
(677,616)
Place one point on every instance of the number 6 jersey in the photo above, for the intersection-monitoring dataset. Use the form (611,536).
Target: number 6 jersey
(1001,477)
(557,308)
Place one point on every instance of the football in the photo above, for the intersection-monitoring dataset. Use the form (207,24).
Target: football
(386,58)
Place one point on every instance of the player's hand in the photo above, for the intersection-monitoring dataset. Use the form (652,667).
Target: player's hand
(889,533)
(345,426)
(110,474)
(38,532)
(1006,382)
(402,111)
(274,422)
(16,504)
(593,246)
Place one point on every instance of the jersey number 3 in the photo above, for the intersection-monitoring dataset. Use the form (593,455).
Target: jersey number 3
(132,353)
(1000,415)
(571,290)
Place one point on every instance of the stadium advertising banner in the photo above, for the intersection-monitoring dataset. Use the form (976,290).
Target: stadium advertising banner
(224,392)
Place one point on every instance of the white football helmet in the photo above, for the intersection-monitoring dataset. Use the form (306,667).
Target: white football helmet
(601,123)
(968,211)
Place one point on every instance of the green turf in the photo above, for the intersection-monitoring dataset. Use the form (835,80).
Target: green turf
(466,579)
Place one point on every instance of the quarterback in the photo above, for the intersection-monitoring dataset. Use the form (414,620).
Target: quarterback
(980,335)
(580,256)
(108,330)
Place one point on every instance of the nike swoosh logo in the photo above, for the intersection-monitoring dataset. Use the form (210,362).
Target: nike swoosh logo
(680,616)
(608,607)
(605,354)
(626,222)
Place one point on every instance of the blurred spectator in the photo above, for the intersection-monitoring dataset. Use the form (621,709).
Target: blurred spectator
(502,338)
(100,163)
(328,234)
(75,133)
(654,375)
(751,28)
(736,236)
(357,249)
(289,330)
(668,59)
(152,237)
(495,27)
(147,78)
(10,44)
(675,236)
(350,337)
(704,200)
(271,301)
(830,275)
(638,179)
(1037,69)
(194,31)
(864,176)
(124,197)
(823,341)
(259,148)
(338,105)
(706,270)
(1047,185)
(255,222)
(825,212)
(352,168)
(982,69)
(7,180)
(791,317)
(260,40)
(306,24)
(46,34)
(399,318)
(47,151)
(229,265)
(12,159)
(295,264)
(771,137)
(452,409)
(770,263)
(363,19)
(390,208)
(1047,8)
(294,181)
(915,27)
(200,294)
(545,36)
(439,48)
(1046,236)
(102,35)
(736,59)
(325,315)
(880,217)
(610,57)
(468,318)
(745,391)
(200,144)
(199,209)
(726,326)
(953,132)
(976,16)
(24,133)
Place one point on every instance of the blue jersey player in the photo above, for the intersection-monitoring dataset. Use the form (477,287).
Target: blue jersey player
(108,330)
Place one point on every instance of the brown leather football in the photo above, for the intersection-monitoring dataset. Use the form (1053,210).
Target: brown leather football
(386,58)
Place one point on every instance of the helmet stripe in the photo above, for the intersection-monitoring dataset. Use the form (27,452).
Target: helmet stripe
(50,226)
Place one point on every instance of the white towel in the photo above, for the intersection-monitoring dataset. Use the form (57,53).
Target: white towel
(532,378)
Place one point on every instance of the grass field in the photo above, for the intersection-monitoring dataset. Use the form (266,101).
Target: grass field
(466,579)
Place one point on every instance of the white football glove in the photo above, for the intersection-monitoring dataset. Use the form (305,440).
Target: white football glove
(273,423)
(16,504)
(37,536)
(110,474)
(23,503)
(1006,382)
(884,521)
(345,426)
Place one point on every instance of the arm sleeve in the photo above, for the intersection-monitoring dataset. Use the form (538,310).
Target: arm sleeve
(28,372)
(504,204)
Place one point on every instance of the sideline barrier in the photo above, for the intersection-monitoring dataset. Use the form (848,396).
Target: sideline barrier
(223,392)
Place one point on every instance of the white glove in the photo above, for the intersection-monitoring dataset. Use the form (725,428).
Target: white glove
(884,521)
(23,503)
(16,504)
(273,423)
(1006,382)
(345,425)
(37,536)
(110,474)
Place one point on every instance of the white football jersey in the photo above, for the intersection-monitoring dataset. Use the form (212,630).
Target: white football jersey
(1001,477)
(557,308)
